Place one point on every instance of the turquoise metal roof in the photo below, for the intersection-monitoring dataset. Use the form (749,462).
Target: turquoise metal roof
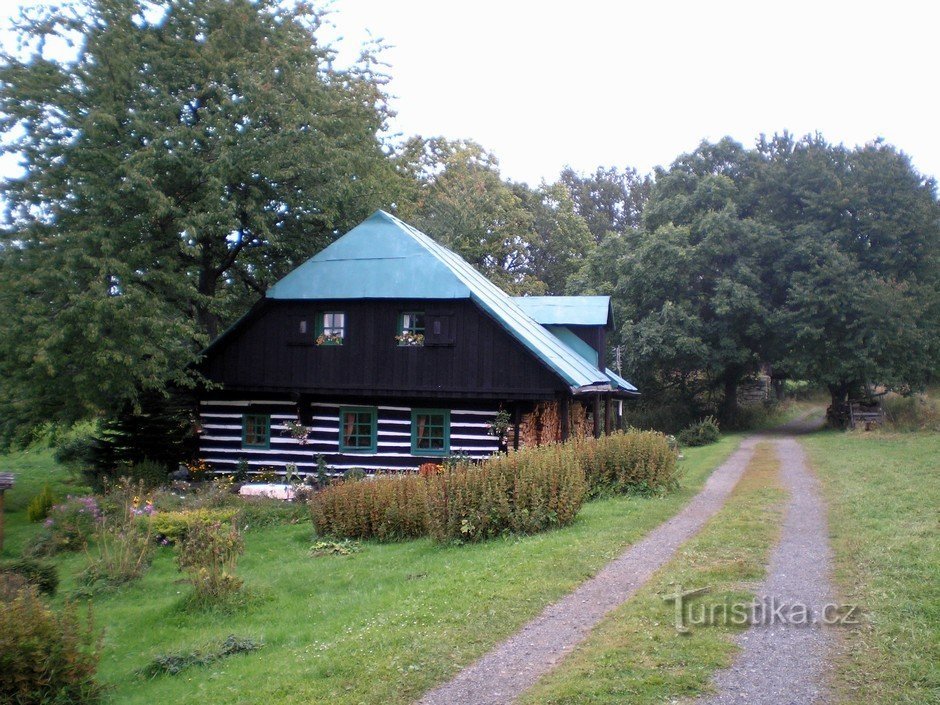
(385,258)
(575,343)
(569,338)
(567,310)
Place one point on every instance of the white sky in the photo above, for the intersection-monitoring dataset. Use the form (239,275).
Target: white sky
(588,83)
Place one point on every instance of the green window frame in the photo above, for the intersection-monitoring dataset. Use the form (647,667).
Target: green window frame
(256,431)
(358,429)
(430,432)
(411,325)
(331,327)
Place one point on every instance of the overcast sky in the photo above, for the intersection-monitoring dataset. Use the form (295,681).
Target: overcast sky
(589,83)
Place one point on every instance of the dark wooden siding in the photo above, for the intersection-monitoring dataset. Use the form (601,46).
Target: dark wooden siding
(220,442)
(484,362)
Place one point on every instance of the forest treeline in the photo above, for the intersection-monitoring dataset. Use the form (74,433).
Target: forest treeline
(180,157)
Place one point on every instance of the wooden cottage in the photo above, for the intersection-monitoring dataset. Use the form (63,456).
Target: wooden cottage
(392,351)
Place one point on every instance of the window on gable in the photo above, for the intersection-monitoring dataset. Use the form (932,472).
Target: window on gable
(256,431)
(357,429)
(430,432)
(440,329)
(331,328)
(411,328)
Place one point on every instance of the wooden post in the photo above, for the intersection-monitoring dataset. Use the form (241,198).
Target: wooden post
(516,420)
(608,415)
(565,416)
(6,482)
(597,416)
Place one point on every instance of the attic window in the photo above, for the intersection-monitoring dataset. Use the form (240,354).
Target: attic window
(411,328)
(331,328)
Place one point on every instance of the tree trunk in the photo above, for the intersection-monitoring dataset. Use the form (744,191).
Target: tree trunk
(838,411)
(729,404)
(208,321)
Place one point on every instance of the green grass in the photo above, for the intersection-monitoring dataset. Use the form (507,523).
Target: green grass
(883,491)
(33,469)
(382,625)
(636,654)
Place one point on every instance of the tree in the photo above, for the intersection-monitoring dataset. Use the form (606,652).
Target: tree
(560,238)
(861,300)
(461,200)
(608,200)
(692,284)
(187,155)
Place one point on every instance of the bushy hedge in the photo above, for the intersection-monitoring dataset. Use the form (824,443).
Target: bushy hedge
(634,461)
(385,508)
(46,656)
(522,492)
(700,433)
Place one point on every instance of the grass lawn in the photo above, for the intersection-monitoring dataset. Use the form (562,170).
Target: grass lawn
(380,626)
(636,655)
(884,492)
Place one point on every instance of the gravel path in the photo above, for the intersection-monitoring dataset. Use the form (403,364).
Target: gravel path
(515,665)
(784,663)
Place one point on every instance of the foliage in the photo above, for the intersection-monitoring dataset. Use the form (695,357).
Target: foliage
(146,440)
(68,527)
(173,527)
(700,433)
(77,450)
(208,555)
(43,576)
(172,664)
(335,548)
(462,202)
(914,412)
(124,539)
(40,505)
(47,657)
(609,201)
(167,181)
(627,462)
(523,492)
(354,475)
(393,601)
(386,508)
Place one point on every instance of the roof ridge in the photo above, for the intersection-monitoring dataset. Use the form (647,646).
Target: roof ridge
(461,268)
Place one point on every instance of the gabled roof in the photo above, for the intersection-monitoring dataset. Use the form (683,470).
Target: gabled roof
(384,258)
(567,310)
(569,338)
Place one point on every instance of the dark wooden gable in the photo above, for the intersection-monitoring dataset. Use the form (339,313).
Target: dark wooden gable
(467,355)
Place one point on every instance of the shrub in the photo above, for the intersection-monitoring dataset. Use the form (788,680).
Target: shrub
(208,555)
(175,526)
(76,450)
(68,527)
(151,473)
(46,657)
(171,664)
(124,544)
(40,505)
(43,576)
(700,433)
(632,461)
(384,508)
(915,412)
(523,492)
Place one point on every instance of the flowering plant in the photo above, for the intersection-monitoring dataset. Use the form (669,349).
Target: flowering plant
(71,523)
(329,339)
(408,338)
